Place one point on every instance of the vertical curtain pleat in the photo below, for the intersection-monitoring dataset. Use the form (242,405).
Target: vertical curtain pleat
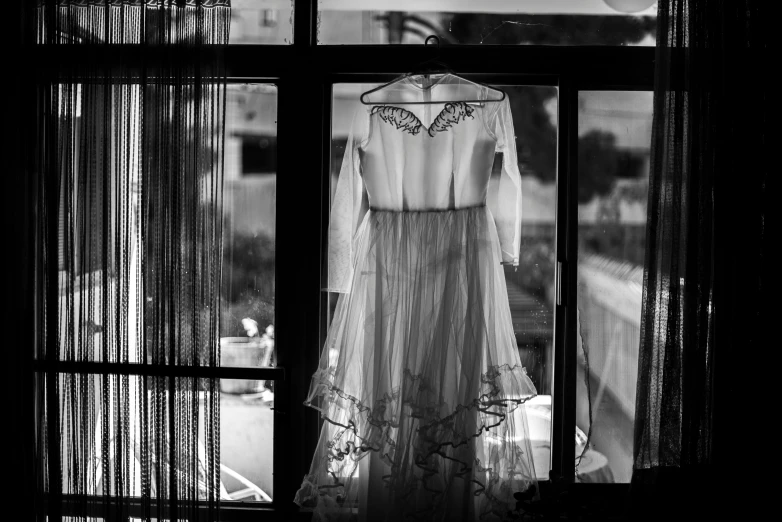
(705,250)
(129,194)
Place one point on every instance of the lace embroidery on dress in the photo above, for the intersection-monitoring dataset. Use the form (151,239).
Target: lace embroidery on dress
(375,429)
(451,114)
(403,119)
(399,118)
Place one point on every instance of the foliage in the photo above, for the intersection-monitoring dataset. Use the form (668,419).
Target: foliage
(536,134)
(537,260)
(508,29)
(248,282)
(600,163)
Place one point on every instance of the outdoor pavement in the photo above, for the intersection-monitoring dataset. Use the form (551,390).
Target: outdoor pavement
(247,428)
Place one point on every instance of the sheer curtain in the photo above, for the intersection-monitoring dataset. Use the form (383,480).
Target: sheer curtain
(128,183)
(706,256)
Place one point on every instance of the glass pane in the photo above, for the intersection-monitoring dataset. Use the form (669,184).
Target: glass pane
(531,285)
(261,22)
(510,22)
(246,436)
(613,174)
(109,286)
(106,435)
(97,234)
(250,209)
(115,431)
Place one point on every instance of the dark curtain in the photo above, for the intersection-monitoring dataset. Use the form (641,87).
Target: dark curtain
(128,175)
(706,261)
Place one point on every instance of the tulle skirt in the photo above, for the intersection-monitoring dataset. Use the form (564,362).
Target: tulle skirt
(419,376)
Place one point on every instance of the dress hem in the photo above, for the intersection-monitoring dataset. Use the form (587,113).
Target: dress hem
(366,431)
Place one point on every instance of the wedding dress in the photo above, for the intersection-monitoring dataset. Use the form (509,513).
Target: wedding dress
(420,382)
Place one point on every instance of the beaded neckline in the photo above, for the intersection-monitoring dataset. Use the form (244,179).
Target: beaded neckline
(452,113)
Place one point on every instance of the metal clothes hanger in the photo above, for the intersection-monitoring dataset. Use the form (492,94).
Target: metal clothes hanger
(426,68)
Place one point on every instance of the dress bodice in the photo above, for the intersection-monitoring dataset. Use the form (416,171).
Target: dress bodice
(409,165)
(411,157)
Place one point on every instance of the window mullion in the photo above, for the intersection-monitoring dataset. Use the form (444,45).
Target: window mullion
(298,265)
(565,318)
(305,26)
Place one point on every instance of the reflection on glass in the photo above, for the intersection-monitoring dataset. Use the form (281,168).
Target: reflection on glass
(261,22)
(249,207)
(509,22)
(613,169)
(531,285)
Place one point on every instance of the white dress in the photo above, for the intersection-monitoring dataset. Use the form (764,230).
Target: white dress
(420,370)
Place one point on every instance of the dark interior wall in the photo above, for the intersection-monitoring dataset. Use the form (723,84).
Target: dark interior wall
(18,265)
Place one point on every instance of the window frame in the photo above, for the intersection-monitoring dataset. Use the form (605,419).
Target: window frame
(304,73)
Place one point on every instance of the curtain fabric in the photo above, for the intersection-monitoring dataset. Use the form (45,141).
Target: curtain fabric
(705,251)
(129,171)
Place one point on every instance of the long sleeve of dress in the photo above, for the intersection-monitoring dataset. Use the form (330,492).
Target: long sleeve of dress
(507,214)
(348,208)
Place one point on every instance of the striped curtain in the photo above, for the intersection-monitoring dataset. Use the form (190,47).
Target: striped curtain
(129,174)
(706,261)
